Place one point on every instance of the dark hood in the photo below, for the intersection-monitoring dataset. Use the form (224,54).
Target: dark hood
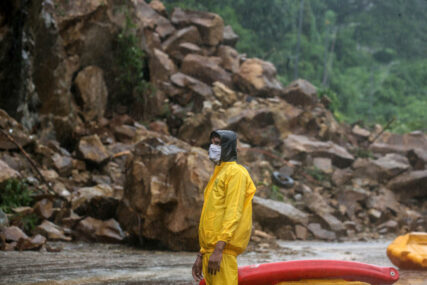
(228,144)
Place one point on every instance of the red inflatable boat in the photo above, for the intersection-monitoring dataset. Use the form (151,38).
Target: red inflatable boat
(274,273)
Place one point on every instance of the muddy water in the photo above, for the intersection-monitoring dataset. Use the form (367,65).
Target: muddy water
(83,263)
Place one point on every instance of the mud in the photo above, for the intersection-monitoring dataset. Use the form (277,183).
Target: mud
(85,263)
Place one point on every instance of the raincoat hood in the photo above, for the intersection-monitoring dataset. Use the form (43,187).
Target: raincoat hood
(228,144)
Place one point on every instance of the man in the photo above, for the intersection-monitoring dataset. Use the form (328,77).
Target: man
(226,220)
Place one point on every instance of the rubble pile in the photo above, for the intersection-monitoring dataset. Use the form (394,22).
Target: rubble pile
(99,173)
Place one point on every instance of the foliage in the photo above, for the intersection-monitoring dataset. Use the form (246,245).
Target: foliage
(275,193)
(26,222)
(15,193)
(370,54)
(316,173)
(130,61)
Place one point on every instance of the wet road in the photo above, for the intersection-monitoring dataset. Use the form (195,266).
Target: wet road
(83,263)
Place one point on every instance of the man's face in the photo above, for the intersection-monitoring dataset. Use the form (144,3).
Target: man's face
(216,141)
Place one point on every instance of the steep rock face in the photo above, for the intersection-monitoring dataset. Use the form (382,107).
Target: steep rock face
(164,190)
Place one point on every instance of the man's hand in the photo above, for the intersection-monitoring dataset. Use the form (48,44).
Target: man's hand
(215,258)
(197,269)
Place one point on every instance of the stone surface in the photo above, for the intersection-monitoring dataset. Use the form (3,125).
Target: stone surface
(230,58)
(320,233)
(360,132)
(295,144)
(6,172)
(33,243)
(161,67)
(101,231)
(301,93)
(258,78)
(411,184)
(92,149)
(350,198)
(92,92)
(324,164)
(381,169)
(13,233)
(230,38)
(51,231)
(206,69)
(210,26)
(62,164)
(158,204)
(186,35)
(417,158)
(44,208)
(341,176)
(15,130)
(225,95)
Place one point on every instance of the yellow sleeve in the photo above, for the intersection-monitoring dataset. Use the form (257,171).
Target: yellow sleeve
(234,201)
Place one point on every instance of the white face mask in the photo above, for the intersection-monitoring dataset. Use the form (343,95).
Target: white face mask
(215,153)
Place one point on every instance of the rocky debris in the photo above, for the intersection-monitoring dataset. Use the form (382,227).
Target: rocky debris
(320,233)
(13,128)
(401,144)
(300,92)
(408,185)
(6,172)
(206,69)
(13,234)
(230,58)
(33,243)
(99,201)
(381,169)
(62,164)
(324,164)
(92,92)
(100,231)
(274,214)
(294,145)
(44,208)
(230,38)
(158,204)
(258,77)
(350,197)
(51,231)
(301,232)
(341,176)
(92,149)
(417,158)
(161,66)
(210,26)
(188,35)
(361,132)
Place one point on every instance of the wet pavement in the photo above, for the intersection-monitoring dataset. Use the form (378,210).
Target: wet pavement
(85,263)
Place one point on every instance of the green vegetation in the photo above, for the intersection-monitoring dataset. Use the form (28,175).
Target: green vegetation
(26,222)
(275,193)
(316,173)
(370,55)
(130,60)
(15,193)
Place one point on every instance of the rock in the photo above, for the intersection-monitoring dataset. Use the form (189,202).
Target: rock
(13,233)
(15,130)
(225,95)
(210,26)
(410,184)
(321,233)
(158,204)
(296,144)
(382,169)
(285,233)
(159,127)
(349,197)
(417,158)
(319,206)
(158,6)
(186,35)
(98,202)
(324,164)
(92,92)
(374,214)
(33,243)
(161,67)
(341,176)
(206,69)
(92,149)
(272,213)
(51,231)
(230,38)
(100,231)
(6,172)
(44,208)
(230,58)
(300,232)
(400,144)
(388,227)
(196,129)
(301,93)
(62,164)
(199,90)
(124,133)
(360,132)
(258,78)
(384,200)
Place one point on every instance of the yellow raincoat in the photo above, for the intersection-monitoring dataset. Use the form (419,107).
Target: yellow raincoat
(227,210)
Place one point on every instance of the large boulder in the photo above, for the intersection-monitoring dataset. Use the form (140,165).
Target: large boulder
(206,69)
(188,35)
(210,26)
(401,144)
(273,214)
(301,93)
(294,145)
(230,38)
(258,78)
(417,158)
(381,169)
(161,67)
(230,58)
(92,149)
(101,231)
(163,195)
(410,184)
(92,92)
